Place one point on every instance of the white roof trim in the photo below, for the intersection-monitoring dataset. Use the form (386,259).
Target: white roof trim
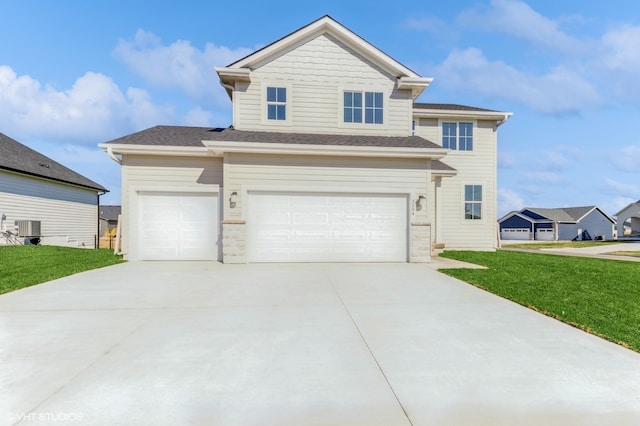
(238,74)
(481,115)
(325,25)
(600,210)
(190,151)
(635,205)
(221,147)
(519,214)
(416,84)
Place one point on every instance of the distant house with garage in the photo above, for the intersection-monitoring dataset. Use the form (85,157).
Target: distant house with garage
(108,218)
(557,224)
(329,158)
(629,220)
(42,199)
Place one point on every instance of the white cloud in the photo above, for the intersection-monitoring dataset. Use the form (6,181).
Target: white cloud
(627,159)
(506,160)
(518,19)
(620,189)
(509,200)
(620,47)
(561,90)
(93,109)
(178,65)
(198,117)
(553,161)
(544,177)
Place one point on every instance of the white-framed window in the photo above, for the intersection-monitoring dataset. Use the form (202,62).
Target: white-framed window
(473,202)
(457,136)
(363,107)
(276,103)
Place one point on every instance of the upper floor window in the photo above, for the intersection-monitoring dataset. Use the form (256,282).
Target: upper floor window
(473,202)
(457,136)
(372,107)
(276,103)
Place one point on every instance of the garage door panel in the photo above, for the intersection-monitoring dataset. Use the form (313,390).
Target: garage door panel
(177,226)
(326,227)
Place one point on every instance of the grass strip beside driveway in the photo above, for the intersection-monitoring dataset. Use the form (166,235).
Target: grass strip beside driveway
(597,295)
(24,266)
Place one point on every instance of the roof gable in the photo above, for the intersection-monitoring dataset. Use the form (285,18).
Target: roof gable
(328,25)
(19,158)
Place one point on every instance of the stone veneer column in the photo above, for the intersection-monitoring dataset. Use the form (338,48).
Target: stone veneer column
(234,241)
(420,234)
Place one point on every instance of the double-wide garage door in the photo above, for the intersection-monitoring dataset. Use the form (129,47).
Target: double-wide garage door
(319,227)
(177,226)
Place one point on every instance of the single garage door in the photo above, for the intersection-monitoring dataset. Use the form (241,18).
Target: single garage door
(314,227)
(177,226)
(544,234)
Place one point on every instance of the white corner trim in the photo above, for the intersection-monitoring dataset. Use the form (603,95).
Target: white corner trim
(416,84)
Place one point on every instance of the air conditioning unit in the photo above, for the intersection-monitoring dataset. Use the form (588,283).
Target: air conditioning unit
(28,228)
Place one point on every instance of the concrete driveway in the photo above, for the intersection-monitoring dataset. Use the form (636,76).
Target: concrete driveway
(349,344)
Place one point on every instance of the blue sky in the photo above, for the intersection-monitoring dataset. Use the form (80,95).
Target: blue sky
(76,74)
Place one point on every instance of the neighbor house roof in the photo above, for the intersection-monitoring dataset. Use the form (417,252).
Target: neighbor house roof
(565,214)
(19,158)
(110,212)
(193,137)
(449,107)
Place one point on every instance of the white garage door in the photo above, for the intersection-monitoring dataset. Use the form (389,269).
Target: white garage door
(514,234)
(177,226)
(544,234)
(304,227)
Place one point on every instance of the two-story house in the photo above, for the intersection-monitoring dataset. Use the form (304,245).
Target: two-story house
(328,158)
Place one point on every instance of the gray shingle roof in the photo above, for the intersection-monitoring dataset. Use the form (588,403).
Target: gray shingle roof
(110,212)
(563,214)
(193,136)
(19,158)
(439,165)
(450,107)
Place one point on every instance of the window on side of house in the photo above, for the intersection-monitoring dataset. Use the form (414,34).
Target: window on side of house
(276,103)
(473,202)
(457,136)
(370,111)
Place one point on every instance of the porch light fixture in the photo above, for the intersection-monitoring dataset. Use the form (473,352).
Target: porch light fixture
(233,200)
(419,201)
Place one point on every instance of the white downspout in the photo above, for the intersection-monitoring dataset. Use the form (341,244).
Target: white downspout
(113,156)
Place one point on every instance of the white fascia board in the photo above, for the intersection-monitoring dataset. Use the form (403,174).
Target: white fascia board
(234,74)
(417,85)
(221,147)
(444,173)
(501,117)
(326,24)
(185,151)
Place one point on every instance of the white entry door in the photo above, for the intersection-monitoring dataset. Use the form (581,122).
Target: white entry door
(327,227)
(177,226)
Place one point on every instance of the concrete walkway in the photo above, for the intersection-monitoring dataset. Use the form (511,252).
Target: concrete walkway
(156,343)
(600,252)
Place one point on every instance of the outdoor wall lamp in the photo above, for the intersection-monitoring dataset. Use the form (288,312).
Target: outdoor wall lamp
(233,200)
(419,201)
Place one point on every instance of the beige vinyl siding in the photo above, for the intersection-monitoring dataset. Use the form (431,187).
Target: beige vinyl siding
(252,172)
(68,214)
(477,167)
(316,73)
(164,172)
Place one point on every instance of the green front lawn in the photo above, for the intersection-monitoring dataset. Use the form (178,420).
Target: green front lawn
(596,295)
(24,266)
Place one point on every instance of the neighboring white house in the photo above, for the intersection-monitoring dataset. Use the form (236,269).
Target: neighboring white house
(35,188)
(629,217)
(328,158)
